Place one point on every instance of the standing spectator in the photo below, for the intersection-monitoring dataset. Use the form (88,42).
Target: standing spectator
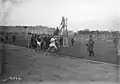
(90,45)
(13,39)
(6,37)
(34,42)
(61,41)
(2,39)
(49,38)
(38,42)
(29,39)
(118,47)
(72,41)
(115,40)
(45,42)
(30,46)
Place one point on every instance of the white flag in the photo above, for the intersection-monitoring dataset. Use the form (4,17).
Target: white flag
(61,32)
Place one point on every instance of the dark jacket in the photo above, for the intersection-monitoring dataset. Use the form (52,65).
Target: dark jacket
(90,45)
(61,39)
(14,37)
(72,40)
(39,39)
(34,42)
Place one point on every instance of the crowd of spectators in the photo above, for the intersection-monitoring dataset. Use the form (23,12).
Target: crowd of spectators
(32,40)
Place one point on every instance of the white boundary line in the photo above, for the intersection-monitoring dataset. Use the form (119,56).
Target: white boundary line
(96,61)
(103,62)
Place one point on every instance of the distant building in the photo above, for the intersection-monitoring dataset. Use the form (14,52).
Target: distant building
(40,30)
(50,31)
(12,29)
(26,29)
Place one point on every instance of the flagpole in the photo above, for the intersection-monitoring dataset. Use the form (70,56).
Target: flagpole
(66,26)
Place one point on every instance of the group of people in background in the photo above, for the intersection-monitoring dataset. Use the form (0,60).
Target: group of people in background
(42,42)
(47,42)
(5,38)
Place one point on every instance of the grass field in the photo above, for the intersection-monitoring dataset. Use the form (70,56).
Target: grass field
(104,50)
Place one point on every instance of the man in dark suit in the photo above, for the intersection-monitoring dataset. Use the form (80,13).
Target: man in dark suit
(61,41)
(90,46)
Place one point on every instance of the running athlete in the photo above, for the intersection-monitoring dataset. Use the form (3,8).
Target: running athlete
(52,45)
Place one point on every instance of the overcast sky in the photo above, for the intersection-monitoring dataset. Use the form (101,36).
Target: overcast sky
(81,14)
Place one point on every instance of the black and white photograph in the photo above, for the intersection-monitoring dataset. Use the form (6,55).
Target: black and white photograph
(59,41)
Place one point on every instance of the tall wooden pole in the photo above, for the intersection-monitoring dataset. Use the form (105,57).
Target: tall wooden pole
(66,27)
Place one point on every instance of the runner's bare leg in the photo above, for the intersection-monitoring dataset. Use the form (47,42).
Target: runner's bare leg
(47,50)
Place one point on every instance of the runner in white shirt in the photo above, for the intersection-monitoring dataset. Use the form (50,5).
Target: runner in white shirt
(52,44)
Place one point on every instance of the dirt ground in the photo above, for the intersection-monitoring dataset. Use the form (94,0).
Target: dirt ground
(36,67)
